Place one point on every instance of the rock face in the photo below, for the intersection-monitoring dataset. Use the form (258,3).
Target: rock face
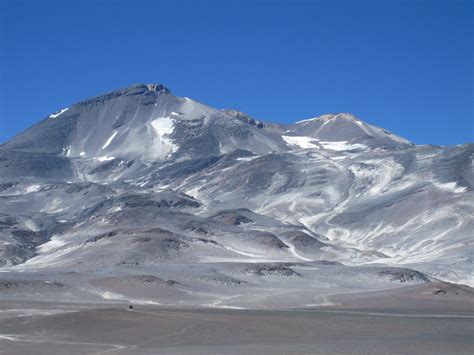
(140,178)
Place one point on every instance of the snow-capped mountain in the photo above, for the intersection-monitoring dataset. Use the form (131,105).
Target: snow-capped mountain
(142,123)
(142,181)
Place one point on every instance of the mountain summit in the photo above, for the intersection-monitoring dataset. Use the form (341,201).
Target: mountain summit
(346,127)
(146,123)
(141,189)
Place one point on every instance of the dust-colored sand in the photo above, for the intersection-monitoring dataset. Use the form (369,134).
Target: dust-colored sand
(431,318)
(154,330)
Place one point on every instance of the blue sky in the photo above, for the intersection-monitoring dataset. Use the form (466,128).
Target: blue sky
(404,65)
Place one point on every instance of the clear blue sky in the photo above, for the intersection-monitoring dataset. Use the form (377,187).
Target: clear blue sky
(404,65)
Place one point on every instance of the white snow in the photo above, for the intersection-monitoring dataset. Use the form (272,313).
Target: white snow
(116,209)
(109,140)
(111,295)
(193,192)
(229,307)
(302,142)
(247,158)
(450,186)
(117,296)
(53,244)
(105,158)
(82,154)
(323,118)
(163,126)
(342,145)
(162,144)
(58,113)
(307,120)
(309,142)
(32,188)
(176,114)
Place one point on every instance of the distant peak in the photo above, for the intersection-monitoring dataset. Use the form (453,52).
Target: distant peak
(158,88)
(136,89)
(142,88)
(331,116)
(346,115)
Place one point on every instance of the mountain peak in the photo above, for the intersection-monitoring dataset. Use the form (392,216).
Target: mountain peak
(346,127)
(331,116)
(137,89)
(345,115)
(157,87)
(132,90)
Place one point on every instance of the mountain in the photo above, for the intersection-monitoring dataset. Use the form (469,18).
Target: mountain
(144,124)
(332,129)
(141,195)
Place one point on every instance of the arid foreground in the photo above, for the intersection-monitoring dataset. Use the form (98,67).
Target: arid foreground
(433,327)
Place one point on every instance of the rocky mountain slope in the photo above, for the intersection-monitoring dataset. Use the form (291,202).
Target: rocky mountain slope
(145,196)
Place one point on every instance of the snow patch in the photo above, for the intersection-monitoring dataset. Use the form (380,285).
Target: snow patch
(247,158)
(228,307)
(107,295)
(307,120)
(53,244)
(111,295)
(309,142)
(163,127)
(109,140)
(58,113)
(194,193)
(341,146)
(302,142)
(324,118)
(450,186)
(105,158)
(116,209)
(32,188)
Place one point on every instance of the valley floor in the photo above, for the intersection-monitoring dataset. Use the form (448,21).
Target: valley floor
(52,328)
